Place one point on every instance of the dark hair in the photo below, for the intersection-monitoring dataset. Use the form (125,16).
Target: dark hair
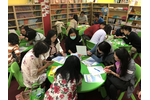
(24,27)
(13,39)
(105,48)
(72,30)
(31,34)
(75,17)
(96,15)
(103,23)
(122,27)
(40,48)
(124,58)
(127,28)
(82,12)
(50,34)
(107,29)
(71,66)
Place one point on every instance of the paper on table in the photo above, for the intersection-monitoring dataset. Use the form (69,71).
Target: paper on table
(81,50)
(89,62)
(21,49)
(97,69)
(92,78)
(60,59)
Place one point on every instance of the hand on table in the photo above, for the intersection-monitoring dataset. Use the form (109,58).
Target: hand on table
(63,54)
(107,70)
(21,37)
(89,53)
(48,63)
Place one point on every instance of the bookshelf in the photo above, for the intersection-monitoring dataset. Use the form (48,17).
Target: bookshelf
(86,7)
(134,16)
(28,14)
(58,12)
(117,14)
(98,8)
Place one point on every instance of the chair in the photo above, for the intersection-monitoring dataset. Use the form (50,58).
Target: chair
(139,34)
(10,76)
(68,23)
(40,31)
(138,77)
(18,75)
(80,33)
(89,44)
(137,54)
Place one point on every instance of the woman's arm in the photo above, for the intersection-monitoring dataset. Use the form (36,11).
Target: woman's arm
(45,66)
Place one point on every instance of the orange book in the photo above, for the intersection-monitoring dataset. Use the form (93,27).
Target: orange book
(25,21)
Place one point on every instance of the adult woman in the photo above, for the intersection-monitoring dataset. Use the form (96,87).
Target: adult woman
(32,64)
(71,41)
(67,78)
(54,43)
(121,75)
(100,34)
(31,35)
(73,23)
(104,53)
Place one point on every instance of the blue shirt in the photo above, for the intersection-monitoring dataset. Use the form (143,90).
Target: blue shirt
(99,21)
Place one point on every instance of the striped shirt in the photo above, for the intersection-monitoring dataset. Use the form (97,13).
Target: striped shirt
(12,48)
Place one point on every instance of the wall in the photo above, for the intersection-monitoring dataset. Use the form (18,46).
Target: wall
(105,1)
(16,2)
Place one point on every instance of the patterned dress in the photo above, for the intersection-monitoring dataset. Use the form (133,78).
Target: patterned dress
(29,67)
(60,89)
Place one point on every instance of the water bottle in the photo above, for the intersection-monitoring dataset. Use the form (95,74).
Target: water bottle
(39,91)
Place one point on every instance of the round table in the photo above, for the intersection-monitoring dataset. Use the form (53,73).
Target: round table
(23,44)
(84,87)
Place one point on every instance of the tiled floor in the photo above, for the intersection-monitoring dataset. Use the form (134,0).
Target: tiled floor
(93,95)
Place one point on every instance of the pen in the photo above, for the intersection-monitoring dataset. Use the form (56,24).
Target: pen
(97,69)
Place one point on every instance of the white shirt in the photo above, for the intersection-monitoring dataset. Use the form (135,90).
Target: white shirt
(98,36)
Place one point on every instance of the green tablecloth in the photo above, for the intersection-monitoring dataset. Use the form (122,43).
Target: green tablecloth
(118,43)
(85,87)
(23,44)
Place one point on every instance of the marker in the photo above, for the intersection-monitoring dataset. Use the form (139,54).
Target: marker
(97,69)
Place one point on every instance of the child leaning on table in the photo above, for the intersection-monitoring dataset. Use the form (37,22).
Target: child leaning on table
(13,49)
(66,80)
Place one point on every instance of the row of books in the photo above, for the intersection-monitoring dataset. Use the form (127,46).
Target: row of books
(29,14)
(29,21)
(58,6)
(10,16)
(85,5)
(33,26)
(25,8)
(11,23)
(98,5)
(74,5)
(74,10)
(85,9)
(58,17)
(58,11)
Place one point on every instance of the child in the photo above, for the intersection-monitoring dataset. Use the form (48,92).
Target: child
(54,43)
(31,35)
(71,41)
(73,23)
(121,75)
(99,35)
(83,18)
(97,19)
(120,32)
(132,38)
(103,53)
(66,80)
(13,49)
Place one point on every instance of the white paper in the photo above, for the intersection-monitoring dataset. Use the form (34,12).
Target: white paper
(97,69)
(47,6)
(46,1)
(89,62)
(44,14)
(93,78)
(59,59)
(55,69)
(81,50)
(47,11)
(42,3)
(21,49)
